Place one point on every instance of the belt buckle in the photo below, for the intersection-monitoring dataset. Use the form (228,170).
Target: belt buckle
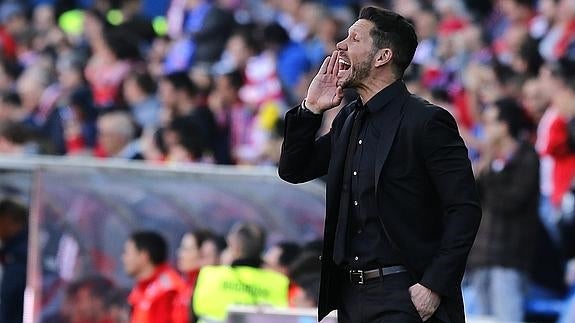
(356,276)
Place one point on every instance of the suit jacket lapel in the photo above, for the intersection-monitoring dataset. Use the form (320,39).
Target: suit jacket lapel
(340,146)
(389,119)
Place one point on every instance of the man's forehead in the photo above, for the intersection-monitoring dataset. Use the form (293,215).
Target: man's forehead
(361,25)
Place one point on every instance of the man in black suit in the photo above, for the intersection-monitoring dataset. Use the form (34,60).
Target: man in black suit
(402,208)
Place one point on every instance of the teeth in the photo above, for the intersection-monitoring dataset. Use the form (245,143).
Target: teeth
(341,61)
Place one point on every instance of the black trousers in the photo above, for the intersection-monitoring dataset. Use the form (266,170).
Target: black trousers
(383,300)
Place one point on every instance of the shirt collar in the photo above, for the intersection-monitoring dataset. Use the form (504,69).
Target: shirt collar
(385,96)
(143,284)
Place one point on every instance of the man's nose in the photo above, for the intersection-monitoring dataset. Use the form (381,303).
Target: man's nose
(341,45)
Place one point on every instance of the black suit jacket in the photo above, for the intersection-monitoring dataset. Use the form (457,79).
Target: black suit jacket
(426,195)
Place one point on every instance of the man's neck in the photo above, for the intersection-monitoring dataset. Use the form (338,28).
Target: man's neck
(372,87)
(146,273)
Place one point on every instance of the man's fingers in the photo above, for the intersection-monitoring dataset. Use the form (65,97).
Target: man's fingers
(323,68)
(335,67)
(332,62)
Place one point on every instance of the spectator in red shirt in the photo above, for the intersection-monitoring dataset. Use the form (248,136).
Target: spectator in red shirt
(158,286)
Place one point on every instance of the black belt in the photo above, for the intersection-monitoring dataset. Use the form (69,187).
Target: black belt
(360,277)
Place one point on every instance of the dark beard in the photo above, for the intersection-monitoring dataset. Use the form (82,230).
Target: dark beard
(360,73)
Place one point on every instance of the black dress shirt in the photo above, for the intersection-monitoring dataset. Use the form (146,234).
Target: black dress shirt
(367,245)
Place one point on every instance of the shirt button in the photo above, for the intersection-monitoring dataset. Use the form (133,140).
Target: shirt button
(359,231)
(355,203)
(360,141)
(354,173)
(356,258)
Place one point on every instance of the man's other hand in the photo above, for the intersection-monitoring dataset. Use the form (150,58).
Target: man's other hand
(426,301)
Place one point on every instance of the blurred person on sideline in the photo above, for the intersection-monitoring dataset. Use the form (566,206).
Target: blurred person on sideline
(189,264)
(403,239)
(305,273)
(117,307)
(212,249)
(13,258)
(306,296)
(508,181)
(241,280)
(158,286)
(279,258)
(281,255)
(86,300)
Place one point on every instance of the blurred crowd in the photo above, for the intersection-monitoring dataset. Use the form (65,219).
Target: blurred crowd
(208,85)
(211,274)
(211,85)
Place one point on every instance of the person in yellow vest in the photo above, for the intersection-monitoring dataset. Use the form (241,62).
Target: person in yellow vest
(241,280)
(158,285)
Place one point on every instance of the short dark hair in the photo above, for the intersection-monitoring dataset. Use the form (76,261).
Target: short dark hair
(98,286)
(275,34)
(152,243)
(509,111)
(525,3)
(122,44)
(12,98)
(13,210)
(564,71)
(236,79)
(529,52)
(219,242)
(144,81)
(188,134)
(250,35)
(200,236)
(289,252)
(182,82)
(393,31)
(15,132)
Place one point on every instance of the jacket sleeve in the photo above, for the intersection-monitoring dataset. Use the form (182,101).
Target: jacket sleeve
(303,157)
(449,169)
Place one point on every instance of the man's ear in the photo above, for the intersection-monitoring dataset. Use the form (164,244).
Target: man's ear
(383,57)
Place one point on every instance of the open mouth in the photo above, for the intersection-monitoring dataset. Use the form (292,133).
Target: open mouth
(344,65)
